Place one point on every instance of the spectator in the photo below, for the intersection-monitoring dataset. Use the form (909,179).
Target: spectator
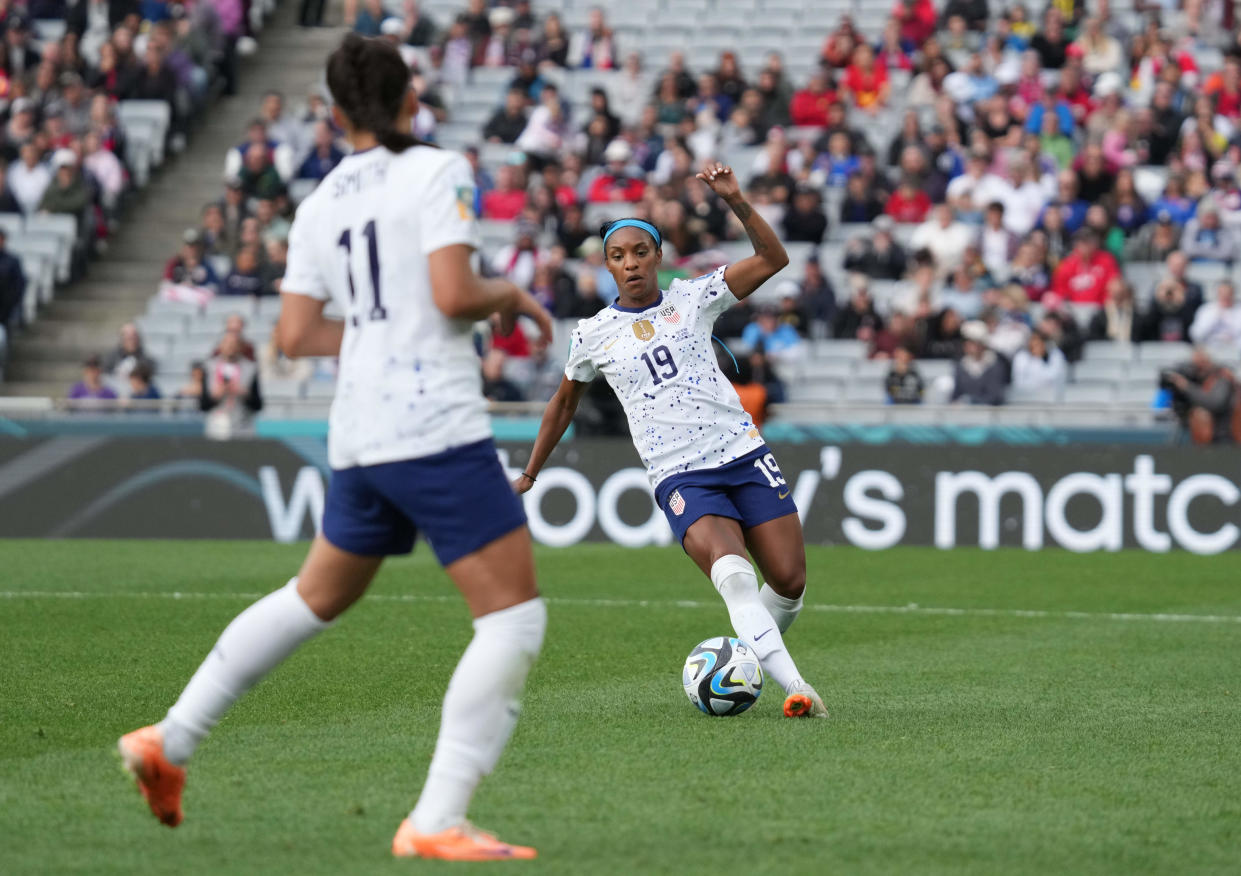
(1050,42)
(128,354)
(858,320)
(809,105)
(140,386)
(245,278)
(805,220)
(593,48)
(496,387)
(1117,319)
(67,193)
(903,385)
(865,81)
(547,127)
(508,199)
(104,169)
(1206,239)
(186,276)
(1204,398)
(1176,266)
(8,203)
(517,260)
(917,19)
(258,176)
(861,203)
(616,182)
(12,283)
(324,154)
(766,332)
(233,394)
(1040,371)
(29,179)
(942,337)
(751,392)
(1217,324)
(879,257)
(909,204)
(1155,241)
(1071,207)
(195,387)
(817,298)
(1170,314)
(91,387)
(1085,272)
(506,125)
(944,238)
(979,376)
(370,18)
(996,244)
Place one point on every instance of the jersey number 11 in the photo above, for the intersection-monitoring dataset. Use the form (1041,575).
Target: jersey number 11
(346,243)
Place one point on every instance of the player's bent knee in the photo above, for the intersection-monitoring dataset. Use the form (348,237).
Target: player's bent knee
(789,583)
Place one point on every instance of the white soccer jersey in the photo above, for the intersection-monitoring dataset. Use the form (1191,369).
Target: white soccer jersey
(683,413)
(409,384)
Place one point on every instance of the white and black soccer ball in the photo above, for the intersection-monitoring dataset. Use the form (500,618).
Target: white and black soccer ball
(722,676)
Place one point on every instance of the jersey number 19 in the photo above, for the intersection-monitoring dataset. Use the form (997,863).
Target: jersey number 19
(662,357)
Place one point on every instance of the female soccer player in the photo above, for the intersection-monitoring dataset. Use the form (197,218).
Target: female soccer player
(714,477)
(388,237)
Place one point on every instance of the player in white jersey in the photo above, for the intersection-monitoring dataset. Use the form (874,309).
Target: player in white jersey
(388,237)
(713,476)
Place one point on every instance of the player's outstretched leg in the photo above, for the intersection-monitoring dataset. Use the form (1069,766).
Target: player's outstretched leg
(779,551)
(252,645)
(482,703)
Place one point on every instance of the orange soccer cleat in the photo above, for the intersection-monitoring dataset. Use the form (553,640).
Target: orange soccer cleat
(462,843)
(804,702)
(142,753)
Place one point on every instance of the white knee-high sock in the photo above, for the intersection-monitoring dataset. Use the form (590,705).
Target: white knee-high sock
(782,609)
(255,642)
(734,577)
(480,711)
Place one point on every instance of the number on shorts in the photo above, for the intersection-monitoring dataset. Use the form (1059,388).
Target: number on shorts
(771,471)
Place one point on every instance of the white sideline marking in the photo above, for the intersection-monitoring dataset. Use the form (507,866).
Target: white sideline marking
(912,608)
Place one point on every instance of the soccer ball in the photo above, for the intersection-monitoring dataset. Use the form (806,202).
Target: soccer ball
(722,676)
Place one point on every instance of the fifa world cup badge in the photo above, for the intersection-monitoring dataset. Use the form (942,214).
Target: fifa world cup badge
(465,202)
(644,330)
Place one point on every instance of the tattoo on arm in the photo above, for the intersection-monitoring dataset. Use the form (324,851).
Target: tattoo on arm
(743,211)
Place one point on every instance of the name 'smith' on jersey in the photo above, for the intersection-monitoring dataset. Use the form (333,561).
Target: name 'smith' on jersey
(409,384)
(683,413)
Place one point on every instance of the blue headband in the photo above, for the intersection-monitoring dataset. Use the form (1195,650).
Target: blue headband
(634,223)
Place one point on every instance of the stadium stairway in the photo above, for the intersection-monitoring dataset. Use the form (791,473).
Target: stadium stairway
(85,316)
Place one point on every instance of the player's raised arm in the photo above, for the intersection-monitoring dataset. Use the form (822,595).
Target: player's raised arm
(556,419)
(746,275)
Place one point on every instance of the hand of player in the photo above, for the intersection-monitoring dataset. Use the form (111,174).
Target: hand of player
(522,484)
(525,304)
(721,180)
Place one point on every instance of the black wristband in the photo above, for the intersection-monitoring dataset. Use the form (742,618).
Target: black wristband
(526,474)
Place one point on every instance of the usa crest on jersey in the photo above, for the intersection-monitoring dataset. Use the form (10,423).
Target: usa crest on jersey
(676,503)
(670,314)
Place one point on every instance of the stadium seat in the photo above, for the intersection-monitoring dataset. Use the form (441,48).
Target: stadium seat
(282,389)
(831,348)
(825,369)
(1163,353)
(322,390)
(1100,369)
(1095,350)
(12,223)
(865,392)
(819,392)
(1090,393)
(873,369)
(1136,394)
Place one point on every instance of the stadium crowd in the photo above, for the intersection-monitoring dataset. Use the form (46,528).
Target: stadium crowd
(63,69)
(998,179)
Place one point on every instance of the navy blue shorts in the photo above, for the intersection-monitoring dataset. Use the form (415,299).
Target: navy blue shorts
(750,490)
(460,500)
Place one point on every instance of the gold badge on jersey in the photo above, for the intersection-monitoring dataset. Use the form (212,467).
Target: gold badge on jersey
(644,330)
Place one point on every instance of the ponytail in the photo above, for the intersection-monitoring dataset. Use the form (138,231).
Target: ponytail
(368,81)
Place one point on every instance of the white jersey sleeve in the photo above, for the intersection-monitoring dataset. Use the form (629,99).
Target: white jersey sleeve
(709,294)
(580,367)
(448,208)
(303,274)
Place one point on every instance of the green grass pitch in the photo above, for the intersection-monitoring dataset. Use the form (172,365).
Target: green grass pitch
(1067,720)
